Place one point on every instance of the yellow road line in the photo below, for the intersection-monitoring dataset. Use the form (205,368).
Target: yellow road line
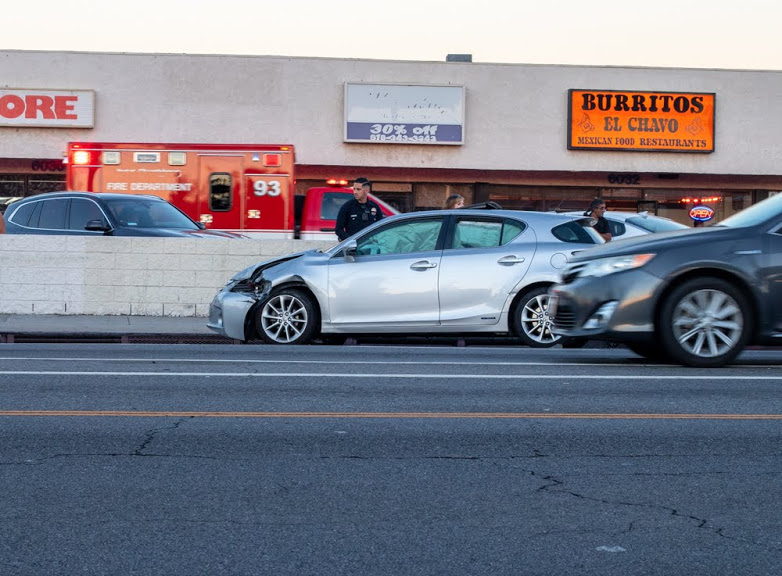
(467,415)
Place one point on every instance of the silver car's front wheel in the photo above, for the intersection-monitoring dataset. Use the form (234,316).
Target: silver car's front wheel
(705,322)
(287,317)
(531,320)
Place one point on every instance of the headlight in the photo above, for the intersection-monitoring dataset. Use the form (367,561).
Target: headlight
(606,266)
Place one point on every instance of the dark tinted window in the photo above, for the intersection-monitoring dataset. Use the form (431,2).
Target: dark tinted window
(572,232)
(82,211)
(22,215)
(33,222)
(220,192)
(53,214)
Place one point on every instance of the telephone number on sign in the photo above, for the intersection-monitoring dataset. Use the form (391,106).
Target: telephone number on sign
(401,138)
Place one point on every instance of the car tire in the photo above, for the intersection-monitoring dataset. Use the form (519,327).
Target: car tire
(288,316)
(531,321)
(705,323)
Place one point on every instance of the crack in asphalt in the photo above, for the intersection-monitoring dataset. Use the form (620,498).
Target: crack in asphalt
(700,522)
(150,436)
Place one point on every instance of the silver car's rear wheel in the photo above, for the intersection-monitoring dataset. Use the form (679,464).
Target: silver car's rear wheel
(705,322)
(531,320)
(287,317)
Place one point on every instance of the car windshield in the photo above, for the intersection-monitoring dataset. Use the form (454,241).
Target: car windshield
(655,224)
(143,213)
(765,210)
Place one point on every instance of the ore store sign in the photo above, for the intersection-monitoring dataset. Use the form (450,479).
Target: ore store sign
(640,121)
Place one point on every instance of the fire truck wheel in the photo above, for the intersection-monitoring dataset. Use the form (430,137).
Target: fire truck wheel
(289,316)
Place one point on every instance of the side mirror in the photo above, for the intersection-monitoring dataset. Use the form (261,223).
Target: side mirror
(201,225)
(349,250)
(97,225)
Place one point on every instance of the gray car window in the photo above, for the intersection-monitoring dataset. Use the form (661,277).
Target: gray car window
(617,228)
(572,232)
(82,211)
(477,234)
(53,214)
(484,233)
(402,238)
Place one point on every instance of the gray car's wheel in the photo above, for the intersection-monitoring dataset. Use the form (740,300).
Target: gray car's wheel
(705,322)
(289,316)
(531,321)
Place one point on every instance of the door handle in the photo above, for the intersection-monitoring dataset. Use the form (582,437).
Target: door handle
(511,260)
(422,265)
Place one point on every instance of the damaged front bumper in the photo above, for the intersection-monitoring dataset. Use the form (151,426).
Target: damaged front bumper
(229,308)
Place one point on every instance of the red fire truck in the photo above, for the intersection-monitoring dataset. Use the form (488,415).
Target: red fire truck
(243,188)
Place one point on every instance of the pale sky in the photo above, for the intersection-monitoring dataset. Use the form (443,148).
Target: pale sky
(664,33)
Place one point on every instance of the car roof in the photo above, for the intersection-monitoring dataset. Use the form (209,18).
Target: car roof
(77,194)
(544,218)
(618,215)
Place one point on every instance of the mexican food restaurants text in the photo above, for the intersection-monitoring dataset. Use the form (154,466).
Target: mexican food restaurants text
(640,121)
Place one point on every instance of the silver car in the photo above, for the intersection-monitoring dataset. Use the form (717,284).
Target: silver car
(449,271)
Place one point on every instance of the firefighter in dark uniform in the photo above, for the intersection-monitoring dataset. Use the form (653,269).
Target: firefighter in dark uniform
(358,213)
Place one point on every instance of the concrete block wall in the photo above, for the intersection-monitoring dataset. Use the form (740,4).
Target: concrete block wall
(130,276)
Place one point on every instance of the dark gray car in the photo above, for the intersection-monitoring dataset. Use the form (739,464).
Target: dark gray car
(101,214)
(697,296)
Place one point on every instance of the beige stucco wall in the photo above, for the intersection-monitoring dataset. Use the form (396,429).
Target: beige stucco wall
(516,115)
(134,276)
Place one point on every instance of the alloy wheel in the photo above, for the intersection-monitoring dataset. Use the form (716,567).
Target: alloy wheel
(708,323)
(536,321)
(284,319)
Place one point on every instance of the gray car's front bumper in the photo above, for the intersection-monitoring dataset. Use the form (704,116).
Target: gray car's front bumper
(584,307)
(228,312)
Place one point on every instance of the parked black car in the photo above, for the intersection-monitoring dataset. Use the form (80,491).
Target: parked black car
(697,296)
(94,214)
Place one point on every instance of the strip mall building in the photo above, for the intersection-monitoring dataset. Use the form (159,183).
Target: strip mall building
(526,136)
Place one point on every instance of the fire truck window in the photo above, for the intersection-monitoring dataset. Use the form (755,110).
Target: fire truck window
(220,192)
(332,202)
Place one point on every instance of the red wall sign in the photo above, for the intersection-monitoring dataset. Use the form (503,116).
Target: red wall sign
(47,108)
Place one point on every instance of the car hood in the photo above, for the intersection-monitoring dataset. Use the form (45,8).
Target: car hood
(174,233)
(212,234)
(255,269)
(654,242)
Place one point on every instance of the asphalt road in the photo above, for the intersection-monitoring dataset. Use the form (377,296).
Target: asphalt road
(184,459)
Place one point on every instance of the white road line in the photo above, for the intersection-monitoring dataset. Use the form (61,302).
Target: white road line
(378,376)
(317,361)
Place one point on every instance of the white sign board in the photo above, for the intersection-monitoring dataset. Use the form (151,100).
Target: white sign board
(23,107)
(404,114)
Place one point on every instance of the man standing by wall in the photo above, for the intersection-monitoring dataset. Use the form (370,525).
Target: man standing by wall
(358,213)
